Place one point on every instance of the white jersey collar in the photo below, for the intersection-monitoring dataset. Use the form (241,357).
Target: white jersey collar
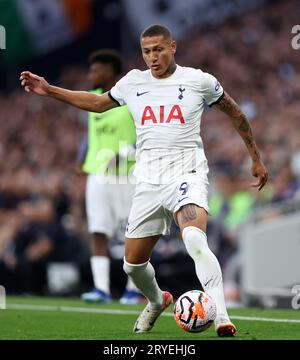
(172,76)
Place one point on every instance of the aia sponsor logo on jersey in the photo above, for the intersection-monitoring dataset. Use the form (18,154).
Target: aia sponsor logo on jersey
(175,114)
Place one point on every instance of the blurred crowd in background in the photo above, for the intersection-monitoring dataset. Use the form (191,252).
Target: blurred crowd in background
(42,214)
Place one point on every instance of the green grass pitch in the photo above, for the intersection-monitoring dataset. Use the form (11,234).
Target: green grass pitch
(62,318)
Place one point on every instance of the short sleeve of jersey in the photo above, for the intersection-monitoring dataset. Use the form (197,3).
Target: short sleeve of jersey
(212,90)
(119,91)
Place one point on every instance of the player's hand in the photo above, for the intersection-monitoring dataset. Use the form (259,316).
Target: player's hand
(34,83)
(259,171)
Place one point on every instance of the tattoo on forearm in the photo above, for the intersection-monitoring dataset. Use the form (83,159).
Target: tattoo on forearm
(240,122)
(243,123)
(188,213)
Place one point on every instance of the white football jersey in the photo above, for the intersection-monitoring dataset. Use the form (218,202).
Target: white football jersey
(167,114)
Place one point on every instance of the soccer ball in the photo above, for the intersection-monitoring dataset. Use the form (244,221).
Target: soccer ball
(195,311)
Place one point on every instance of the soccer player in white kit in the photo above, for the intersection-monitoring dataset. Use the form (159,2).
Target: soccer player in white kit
(166,102)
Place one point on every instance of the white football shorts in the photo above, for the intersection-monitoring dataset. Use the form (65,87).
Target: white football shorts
(154,205)
(107,205)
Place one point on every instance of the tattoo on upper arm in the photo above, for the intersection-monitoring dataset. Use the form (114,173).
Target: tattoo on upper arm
(231,108)
(188,213)
(239,121)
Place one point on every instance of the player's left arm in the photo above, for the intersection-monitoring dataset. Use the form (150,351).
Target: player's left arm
(242,126)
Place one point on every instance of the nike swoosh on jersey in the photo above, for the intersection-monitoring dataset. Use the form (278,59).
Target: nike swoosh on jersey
(142,93)
(182,199)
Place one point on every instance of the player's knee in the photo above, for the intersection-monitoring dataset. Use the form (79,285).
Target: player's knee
(100,238)
(195,240)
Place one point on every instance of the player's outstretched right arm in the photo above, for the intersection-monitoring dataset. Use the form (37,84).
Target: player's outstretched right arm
(80,99)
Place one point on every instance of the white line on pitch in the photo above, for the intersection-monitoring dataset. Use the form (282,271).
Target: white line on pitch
(250,318)
(126,312)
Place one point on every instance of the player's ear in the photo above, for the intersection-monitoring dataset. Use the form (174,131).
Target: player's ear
(173,47)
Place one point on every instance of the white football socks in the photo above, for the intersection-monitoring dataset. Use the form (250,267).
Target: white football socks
(143,276)
(208,269)
(130,285)
(100,271)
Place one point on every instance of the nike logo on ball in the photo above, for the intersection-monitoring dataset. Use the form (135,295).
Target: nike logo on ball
(142,93)
(208,282)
